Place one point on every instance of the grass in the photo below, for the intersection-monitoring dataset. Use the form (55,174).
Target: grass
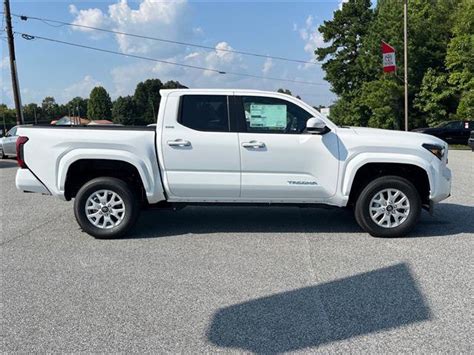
(459,147)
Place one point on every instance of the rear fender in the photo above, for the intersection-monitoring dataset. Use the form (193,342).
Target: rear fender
(148,175)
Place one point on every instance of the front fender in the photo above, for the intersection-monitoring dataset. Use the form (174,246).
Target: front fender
(362,159)
(148,172)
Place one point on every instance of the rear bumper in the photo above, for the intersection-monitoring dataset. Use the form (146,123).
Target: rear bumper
(26,181)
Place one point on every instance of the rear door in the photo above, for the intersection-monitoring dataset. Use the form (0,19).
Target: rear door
(280,160)
(200,153)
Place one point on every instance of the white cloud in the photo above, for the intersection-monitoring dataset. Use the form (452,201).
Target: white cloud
(267,65)
(126,77)
(311,36)
(312,39)
(171,20)
(162,19)
(192,55)
(341,2)
(89,17)
(222,54)
(5,63)
(167,20)
(81,88)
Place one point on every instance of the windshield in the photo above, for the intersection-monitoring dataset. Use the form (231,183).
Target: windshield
(442,124)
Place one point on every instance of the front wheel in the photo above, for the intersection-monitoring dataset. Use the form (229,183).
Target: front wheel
(388,206)
(106,208)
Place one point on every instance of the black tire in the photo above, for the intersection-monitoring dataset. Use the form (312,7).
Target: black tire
(362,211)
(131,207)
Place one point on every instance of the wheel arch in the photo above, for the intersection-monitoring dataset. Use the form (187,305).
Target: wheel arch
(361,171)
(79,166)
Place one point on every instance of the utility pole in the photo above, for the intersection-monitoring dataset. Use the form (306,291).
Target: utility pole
(405,54)
(14,75)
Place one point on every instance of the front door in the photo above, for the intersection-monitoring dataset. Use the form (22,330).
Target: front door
(280,161)
(201,156)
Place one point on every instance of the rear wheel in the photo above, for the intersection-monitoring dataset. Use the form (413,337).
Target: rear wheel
(106,208)
(388,207)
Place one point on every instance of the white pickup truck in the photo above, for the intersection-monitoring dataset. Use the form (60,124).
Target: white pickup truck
(234,147)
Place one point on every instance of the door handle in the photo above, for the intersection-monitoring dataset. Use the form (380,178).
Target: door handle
(253,145)
(179,143)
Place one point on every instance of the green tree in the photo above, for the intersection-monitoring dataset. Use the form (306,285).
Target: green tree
(436,99)
(32,113)
(147,100)
(284,91)
(78,106)
(50,109)
(99,106)
(8,117)
(344,35)
(460,58)
(353,59)
(173,85)
(287,92)
(383,100)
(124,111)
(466,104)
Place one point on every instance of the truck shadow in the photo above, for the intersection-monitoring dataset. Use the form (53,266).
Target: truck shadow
(11,163)
(370,302)
(449,220)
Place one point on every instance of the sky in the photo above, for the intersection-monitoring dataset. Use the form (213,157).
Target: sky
(284,29)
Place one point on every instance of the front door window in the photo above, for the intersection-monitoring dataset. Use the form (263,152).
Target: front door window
(273,115)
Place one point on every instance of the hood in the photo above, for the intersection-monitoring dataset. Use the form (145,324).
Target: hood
(400,138)
(426,129)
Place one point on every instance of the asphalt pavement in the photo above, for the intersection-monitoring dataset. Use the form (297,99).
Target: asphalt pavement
(236,279)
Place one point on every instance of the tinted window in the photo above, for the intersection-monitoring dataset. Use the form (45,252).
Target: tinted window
(205,112)
(12,132)
(454,125)
(271,115)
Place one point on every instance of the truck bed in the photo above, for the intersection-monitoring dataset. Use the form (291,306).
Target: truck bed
(50,150)
(95,127)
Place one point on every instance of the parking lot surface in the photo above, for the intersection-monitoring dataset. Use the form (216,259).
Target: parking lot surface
(236,279)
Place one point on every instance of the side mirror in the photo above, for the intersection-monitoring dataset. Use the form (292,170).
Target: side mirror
(316,125)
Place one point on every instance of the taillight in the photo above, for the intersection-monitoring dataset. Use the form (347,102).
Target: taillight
(20,158)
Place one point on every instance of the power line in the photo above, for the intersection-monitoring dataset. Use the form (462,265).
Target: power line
(260,55)
(33,37)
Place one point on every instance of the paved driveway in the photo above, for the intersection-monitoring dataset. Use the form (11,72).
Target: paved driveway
(236,279)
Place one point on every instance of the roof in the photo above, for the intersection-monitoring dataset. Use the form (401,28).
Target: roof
(213,91)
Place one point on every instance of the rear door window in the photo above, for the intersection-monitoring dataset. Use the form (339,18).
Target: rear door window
(205,112)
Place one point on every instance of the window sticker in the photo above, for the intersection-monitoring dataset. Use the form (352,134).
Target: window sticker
(267,116)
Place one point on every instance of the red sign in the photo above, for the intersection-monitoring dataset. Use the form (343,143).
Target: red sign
(388,55)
